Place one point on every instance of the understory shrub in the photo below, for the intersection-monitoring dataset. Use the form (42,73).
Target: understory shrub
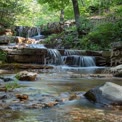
(3,56)
(101,36)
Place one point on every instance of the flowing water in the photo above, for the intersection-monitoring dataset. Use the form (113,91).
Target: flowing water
(63,80)
(57,83)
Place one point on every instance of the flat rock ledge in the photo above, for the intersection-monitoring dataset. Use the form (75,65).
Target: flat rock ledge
(24,66)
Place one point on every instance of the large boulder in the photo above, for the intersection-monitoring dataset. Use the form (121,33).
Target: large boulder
(26,76)
(107,94)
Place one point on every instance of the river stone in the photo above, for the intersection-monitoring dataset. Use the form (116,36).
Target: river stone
(26,76)
(109,93)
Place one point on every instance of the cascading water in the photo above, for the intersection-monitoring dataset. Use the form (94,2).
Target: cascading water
(39,36)
(36,46)
(38,31)
(20,30)
(54,57)
(80,61)
(29,33)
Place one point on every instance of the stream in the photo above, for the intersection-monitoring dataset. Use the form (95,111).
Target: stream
(61,83)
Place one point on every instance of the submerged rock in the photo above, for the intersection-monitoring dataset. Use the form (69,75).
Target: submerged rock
(107,94)
(26,76)
(6,79)
(22,97)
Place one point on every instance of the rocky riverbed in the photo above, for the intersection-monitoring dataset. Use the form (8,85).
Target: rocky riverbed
(55,96)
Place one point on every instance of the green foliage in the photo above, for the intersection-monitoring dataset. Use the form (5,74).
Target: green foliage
(71,28)
(30,14)
(116,11)
(8,11)
(52,39)
(12,85)
(3,56)
(55,4)
(85,25)
(46,15)
(101,37)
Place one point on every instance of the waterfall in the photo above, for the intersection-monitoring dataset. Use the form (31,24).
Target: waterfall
(38,31)
(54,57)
(88,61)
(70,58)
(29,33)
(20,30)
(36,46)
(39,36)
(80,61)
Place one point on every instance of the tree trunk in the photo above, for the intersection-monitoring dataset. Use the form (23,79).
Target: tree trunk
(77,15)
(62,16)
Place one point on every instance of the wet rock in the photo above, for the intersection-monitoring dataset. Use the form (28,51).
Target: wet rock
(3,89)
(18,66)
(22,40)
(26,76)
(109,93)
(22,97)
(3,96)
(73,97)
(6,79)
(4,31)
(117,71)
(1,80)
(50,104)
(35,106)
(5,39)
(118,74)
(76,76)
(4,71)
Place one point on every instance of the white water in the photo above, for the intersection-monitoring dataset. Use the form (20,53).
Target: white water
(36,46)
(20,30)
(39,36)
(80,61)
(54,57)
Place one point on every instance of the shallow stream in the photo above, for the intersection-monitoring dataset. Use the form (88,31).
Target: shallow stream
(57,83)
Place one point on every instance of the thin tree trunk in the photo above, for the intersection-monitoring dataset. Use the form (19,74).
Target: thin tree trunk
(76,14)
(62,16)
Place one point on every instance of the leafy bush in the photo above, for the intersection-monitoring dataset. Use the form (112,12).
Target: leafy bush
(101,36)
(3,56)
(85,25)
(12,85)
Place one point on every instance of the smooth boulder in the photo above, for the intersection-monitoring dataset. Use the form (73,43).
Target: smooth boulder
(26,76)
(107,94)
